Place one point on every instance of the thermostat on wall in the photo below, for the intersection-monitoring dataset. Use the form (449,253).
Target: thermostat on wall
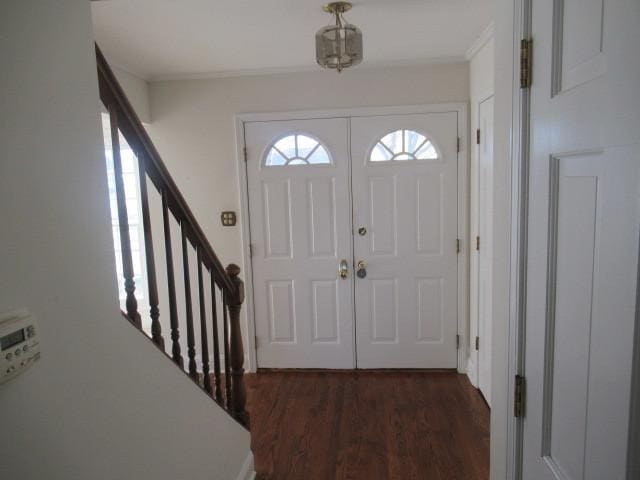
(19,343)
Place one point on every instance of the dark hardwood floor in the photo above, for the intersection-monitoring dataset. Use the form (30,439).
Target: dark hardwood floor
(367,425)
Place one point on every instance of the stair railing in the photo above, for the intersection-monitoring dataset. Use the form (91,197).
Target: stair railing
(123,120)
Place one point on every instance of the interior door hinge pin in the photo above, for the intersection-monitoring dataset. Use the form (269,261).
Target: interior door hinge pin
(457,245)
(477,243)
(458,144)
(244,152)
(519,397)
(477,343)
(526,54)
(458,342)
(478,136)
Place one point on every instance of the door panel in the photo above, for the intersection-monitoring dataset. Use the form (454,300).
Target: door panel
(583,231)
(300,230)
(406,310)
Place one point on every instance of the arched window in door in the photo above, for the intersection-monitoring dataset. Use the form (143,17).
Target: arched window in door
(402,145)
(297,149)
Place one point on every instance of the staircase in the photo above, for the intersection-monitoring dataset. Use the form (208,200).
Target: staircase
(225,290)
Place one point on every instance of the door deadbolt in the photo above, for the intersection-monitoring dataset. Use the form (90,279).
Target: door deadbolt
(362,269)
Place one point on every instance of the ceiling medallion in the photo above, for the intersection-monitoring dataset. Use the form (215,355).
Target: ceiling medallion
(338,45)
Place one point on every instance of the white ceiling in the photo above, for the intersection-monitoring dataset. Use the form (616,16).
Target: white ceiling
(158,39)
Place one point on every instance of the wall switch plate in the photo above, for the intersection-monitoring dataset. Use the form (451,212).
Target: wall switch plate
(228,219)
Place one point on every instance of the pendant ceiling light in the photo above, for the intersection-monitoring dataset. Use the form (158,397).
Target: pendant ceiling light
(338,45)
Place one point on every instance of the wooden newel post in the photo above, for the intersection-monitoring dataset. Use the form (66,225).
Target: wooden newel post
(236,349)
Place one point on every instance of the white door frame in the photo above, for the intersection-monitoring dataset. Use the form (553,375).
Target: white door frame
(463,206)
(519,156)
(473,371)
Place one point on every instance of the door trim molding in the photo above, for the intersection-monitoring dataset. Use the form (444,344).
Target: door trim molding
(473,370)
(460,108)
(519,155)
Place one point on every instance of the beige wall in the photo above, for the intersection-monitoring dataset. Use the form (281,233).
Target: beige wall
(103,402)
(193,124)
(137,91)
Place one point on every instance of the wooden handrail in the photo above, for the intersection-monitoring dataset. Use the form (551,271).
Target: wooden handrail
(124,120)
(111,93)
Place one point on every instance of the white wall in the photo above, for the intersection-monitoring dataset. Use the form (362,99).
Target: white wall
(102,403)
(481,66)
(137,91)
(193,124)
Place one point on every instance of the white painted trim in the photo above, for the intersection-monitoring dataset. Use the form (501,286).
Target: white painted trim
(253,72)
(519,155)
(352,112)
(633,444)
(473,370)
(463,235)
(247,472)
(245,236)
(463,203)
(478,43)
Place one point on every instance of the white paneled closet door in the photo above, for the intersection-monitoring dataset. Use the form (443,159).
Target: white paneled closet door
(300,216)
(405,229)
(583,239)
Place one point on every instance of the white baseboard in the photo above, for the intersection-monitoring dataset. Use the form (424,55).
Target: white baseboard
(247,472)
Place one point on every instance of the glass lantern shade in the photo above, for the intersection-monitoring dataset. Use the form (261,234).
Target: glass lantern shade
(339,46)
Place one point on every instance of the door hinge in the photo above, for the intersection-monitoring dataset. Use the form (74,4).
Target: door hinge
(255,342)
(477,343)
(244,152)
(457,245)
(478,136)
(519,397)
(251,250)
(478,243)
(526,53)
(458,342)
(458,144)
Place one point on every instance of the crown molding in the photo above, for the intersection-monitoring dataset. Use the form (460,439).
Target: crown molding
(478,43)
(254,72)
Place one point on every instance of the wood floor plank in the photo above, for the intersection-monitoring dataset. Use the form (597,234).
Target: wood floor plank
(367,425)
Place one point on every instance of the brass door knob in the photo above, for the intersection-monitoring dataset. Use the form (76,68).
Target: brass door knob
(343,269)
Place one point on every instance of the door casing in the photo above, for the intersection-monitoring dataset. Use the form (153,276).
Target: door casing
(463,207)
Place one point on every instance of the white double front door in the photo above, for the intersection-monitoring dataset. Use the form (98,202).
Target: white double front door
(353,235)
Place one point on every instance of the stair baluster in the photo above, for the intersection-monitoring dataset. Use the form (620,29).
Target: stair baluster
(203,330)
(154,311)
(191,340)
(227,364)
(216,342)
(123,220)
(171,285)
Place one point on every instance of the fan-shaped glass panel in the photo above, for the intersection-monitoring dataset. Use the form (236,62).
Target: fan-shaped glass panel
(403,145)
(297,149)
